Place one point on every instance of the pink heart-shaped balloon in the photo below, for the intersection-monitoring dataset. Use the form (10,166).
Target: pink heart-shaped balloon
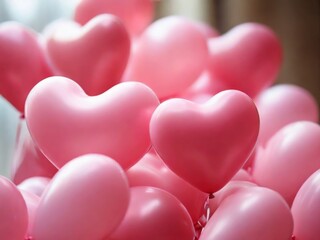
(289,158)
(306,209)
(94,56)
(87,199)
(251,213)
(66,123)
(206,144)
(246,58)
(22,63)
(135,14)
(151,171)
(168,56)
(283,104)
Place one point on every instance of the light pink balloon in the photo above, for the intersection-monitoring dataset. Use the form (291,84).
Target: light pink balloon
(289,158)
(207,30)
(154,214)
(169,56)
(13,211)
(283,104)
(135,14)
(94,56)
(242,175)
(34,185)
(28,160)
(246,58)
(66,123)
(206,144)
(32,202)
(229,189)
(151,171)
(306,209)
(22,63)
(250,214)
(87,199)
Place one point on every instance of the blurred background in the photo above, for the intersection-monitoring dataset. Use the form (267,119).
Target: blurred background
(296,22)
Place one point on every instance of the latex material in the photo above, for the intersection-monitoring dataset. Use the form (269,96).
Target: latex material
(87,199)
(162,53)
(283,104)
(206,144)
(66,123)
(13,211)
(250,214)
(135,14)
(34,185)
(247,58)
(289,158)
(22,63)
(94,56)
(151,171)
(154,214)
(306,209)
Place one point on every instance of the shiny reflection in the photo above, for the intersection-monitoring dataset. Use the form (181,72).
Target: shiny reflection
(150,207)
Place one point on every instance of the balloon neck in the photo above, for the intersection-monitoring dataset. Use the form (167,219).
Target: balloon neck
(211,195)
(22,116)
(28,238)
(293,237)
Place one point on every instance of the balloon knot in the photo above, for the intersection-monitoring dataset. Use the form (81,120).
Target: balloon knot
(211,196)
(28,238)
(293,237)
(22,116)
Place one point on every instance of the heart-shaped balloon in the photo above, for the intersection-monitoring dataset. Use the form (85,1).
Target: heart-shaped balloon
(22,63)
(289,158)
(154,214)
(168,56)
(135,14)
(66,123)
(94,56)
(206,144)
(283,104)
(251,213)
(151,171)
(306,209)
(87,199)
(13,211)
(247,58)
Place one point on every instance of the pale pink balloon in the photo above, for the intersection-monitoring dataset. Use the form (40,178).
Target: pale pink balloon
(169,56)
(229,189)
(207,30)
(246,58)
(94,56)
(306,209)
(154,214)
(283,104)
(13,212)
(135,14)
(250,214)
(289,158)
(87,199)
(32,202)
(242,175)
(206,144)
(22,63)
(66,123)
(34,185)
(28,160)
(151,171)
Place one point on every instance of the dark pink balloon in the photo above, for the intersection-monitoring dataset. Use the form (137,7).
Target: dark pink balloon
(283,104)
(289,158)
(246,58)
(250,214)
(87,199)
(13,212)
(169,56)
(66,123)
(135,14)
(154,214)
(22,63)
(306,209)
(151,171)
(28,160)
(94,56)
(206,144)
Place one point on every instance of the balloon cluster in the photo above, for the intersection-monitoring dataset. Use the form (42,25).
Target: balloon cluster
(167,130)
